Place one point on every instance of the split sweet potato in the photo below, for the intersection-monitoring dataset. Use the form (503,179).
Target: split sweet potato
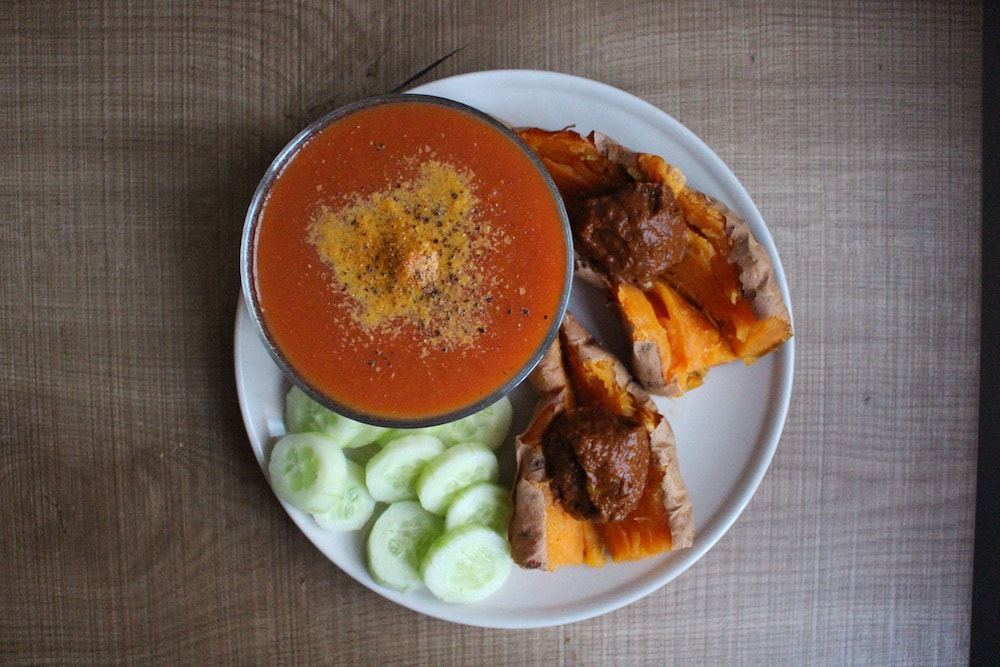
(719,301)
(577,371)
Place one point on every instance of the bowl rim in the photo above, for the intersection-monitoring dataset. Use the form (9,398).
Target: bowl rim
(252,222)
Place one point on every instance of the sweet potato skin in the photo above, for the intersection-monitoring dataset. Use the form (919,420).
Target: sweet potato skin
(526,531)
(652,357)
(538,524)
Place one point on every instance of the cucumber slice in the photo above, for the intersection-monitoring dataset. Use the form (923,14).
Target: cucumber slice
(353,507)
(391,474)
(303,414)
(489,426)
(398,542)
(308,471)
(466,564)
(390,434)
(453,470)
(484,503)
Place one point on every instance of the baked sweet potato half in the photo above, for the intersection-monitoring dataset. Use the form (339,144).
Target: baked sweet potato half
(707,297)
(628,500)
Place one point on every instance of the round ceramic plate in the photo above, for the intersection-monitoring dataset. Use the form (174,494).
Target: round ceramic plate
(727,430)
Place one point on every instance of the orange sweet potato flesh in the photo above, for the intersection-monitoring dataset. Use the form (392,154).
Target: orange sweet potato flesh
(643,533)
(662,323)
(575,164)
(697,344)
(707,276)
(577,371)
(654,364)
(570,541)
(718,303)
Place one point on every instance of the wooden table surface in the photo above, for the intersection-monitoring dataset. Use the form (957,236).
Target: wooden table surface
(137,525)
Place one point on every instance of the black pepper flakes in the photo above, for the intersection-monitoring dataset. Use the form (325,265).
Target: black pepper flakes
(404,256)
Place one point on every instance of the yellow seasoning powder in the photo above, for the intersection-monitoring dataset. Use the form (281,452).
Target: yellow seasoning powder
(410,254)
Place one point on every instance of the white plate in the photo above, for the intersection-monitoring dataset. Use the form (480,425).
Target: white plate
(727,430)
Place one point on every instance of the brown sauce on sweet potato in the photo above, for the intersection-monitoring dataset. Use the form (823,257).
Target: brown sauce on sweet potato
(634,233)
(598,461)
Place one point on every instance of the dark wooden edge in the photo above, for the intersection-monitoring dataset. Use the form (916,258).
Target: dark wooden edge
(985,638)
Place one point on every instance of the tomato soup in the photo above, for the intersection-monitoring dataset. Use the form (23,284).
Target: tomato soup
(407,260)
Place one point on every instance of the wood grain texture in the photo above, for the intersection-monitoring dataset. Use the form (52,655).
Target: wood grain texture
(137,526)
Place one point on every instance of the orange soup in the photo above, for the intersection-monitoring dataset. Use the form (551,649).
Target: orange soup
(407,260)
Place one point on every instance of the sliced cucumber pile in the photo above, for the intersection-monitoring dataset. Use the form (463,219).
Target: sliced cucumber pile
(451,471)
(466,564)
(398,542)
(392,473)
(444,522)
(484,503)
(354,505)
(488,427)
(304,415)
(309,470)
